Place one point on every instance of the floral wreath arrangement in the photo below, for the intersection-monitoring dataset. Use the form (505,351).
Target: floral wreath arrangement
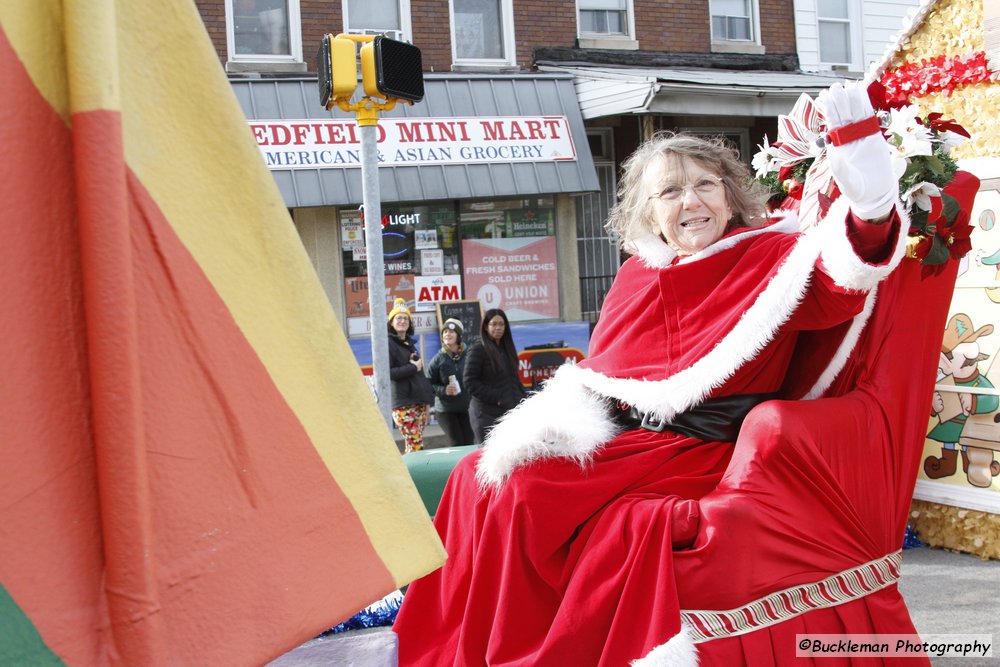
(795,171)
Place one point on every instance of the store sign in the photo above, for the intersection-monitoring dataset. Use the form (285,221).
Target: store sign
(431,289)
(518,275)
(356,294)
(324,144)
(362,326)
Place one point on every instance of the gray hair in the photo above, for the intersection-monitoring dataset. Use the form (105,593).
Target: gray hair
(632,217)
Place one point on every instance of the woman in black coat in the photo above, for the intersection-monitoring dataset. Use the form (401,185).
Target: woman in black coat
(491,374)
(411,390)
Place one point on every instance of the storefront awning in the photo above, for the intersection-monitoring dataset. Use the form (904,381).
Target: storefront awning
(612,91)
(539,100)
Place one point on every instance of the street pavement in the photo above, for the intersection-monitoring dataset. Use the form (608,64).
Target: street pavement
(953,593)
(947,593)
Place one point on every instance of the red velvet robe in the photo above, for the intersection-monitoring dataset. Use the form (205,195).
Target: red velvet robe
(556,563)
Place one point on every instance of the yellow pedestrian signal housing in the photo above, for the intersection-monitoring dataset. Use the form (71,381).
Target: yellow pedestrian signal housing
(392,69)
(338,70)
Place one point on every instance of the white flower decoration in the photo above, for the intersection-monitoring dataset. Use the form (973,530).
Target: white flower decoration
(907,134)
(920,194)
(765,160)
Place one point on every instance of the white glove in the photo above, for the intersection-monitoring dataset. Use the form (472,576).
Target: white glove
(862,168)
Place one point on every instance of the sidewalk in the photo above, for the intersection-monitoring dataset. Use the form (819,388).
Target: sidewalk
(947,593)
(434,438)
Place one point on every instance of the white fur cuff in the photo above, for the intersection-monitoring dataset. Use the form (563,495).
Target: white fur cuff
(680,651)
(842,263)
(564,419)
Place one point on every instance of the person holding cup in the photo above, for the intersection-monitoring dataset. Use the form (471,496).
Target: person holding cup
(451,402)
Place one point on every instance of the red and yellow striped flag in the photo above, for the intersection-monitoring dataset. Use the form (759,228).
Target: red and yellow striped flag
(193,469)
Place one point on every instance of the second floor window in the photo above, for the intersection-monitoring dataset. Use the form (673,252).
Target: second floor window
(481,31)
(603,17)
(378,16)
(833,17)
(264,30)
(732,20)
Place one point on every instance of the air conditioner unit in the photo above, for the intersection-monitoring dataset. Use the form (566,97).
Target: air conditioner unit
(391,34)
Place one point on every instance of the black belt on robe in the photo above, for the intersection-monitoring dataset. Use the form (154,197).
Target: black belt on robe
(715,419)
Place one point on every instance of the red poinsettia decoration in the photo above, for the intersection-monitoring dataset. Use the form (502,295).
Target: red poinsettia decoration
(944,234)
(935,122)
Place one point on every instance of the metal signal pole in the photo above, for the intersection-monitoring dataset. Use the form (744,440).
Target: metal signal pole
(391,70)
(376,267)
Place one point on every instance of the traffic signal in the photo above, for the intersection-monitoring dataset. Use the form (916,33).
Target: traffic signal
(392,69)
(338,70)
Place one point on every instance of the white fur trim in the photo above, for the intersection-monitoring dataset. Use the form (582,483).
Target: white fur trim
(842,263)
(679,651)
(569,417)
(563,419)
(785,222)
(755,329)
(845,348)
(654,252)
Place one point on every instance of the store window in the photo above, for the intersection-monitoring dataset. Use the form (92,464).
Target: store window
(375,17)
(501,252)
(264,30)
(509,256)
(733,20)
(420,247)
(482,32)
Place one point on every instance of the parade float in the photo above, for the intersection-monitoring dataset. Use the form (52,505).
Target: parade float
(947,60)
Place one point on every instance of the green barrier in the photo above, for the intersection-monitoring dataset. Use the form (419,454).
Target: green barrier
(430,468)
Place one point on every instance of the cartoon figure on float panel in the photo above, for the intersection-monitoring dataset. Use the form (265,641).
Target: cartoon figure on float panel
(959,368)
(963,435)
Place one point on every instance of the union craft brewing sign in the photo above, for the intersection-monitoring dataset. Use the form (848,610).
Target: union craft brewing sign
(312,144)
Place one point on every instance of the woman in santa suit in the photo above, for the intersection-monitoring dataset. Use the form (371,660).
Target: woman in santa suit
(561,531)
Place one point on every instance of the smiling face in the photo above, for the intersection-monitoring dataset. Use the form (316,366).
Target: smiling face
(449,338)
(400,324)
(700,212)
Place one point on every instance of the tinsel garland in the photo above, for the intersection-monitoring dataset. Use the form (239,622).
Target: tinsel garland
(379,614)
(938,74)
(910,539)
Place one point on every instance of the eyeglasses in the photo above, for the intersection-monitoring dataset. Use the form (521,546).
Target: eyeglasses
(705,187)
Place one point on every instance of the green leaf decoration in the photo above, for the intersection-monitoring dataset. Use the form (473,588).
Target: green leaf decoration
(935,165)
(938,253)
(950,208)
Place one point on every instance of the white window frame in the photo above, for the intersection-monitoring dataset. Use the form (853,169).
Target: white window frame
(853,21)
(507,8)
(754,26)
(294,38)
(405,34)
(629,25)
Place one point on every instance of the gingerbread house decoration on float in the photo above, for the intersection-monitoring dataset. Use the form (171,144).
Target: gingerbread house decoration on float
(947,59)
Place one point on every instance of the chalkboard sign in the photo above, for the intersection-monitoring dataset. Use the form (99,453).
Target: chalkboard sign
(469,313)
